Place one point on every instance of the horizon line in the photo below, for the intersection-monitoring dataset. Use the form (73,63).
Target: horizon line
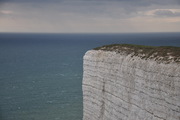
(84,32)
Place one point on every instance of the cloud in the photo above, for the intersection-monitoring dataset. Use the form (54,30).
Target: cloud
(87,15)
(167,13)
(137,2)
(6,12)
(123,8)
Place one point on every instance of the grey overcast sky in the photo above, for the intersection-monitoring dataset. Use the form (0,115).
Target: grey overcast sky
(89,16)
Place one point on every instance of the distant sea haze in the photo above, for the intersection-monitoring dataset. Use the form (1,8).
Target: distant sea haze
(41,74)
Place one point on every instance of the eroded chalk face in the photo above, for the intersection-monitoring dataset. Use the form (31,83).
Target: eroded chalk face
(121,86)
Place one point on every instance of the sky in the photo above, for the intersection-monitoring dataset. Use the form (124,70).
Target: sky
(89,16)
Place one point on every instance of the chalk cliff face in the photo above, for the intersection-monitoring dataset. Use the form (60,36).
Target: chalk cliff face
(124,87)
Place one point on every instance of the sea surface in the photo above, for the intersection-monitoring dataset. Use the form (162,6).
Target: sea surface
(41,74)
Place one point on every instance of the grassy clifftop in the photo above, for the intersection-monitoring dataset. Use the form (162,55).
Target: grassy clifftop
(162,53)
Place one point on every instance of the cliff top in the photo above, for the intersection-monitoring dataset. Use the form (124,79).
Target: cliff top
(165,54)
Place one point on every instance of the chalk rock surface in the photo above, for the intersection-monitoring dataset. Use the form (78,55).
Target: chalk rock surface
(124,87)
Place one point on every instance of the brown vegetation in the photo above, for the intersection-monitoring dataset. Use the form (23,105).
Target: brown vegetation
(162,53)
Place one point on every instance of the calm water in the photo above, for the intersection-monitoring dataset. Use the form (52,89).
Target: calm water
(41,74)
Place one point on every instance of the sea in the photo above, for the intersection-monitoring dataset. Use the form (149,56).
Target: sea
(41,74)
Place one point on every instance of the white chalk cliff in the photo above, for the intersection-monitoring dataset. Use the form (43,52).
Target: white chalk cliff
(120,86)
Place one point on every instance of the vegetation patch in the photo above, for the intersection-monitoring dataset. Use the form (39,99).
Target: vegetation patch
(165,54)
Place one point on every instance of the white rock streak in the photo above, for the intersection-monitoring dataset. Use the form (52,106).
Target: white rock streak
(122,87)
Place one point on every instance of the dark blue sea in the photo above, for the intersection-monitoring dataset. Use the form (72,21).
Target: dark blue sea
(41,74)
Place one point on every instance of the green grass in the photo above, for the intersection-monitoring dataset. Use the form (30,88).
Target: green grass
(161,53)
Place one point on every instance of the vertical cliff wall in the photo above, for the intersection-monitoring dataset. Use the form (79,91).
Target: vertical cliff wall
(118,85)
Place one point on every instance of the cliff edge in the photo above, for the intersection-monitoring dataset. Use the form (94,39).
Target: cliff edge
(130,82)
